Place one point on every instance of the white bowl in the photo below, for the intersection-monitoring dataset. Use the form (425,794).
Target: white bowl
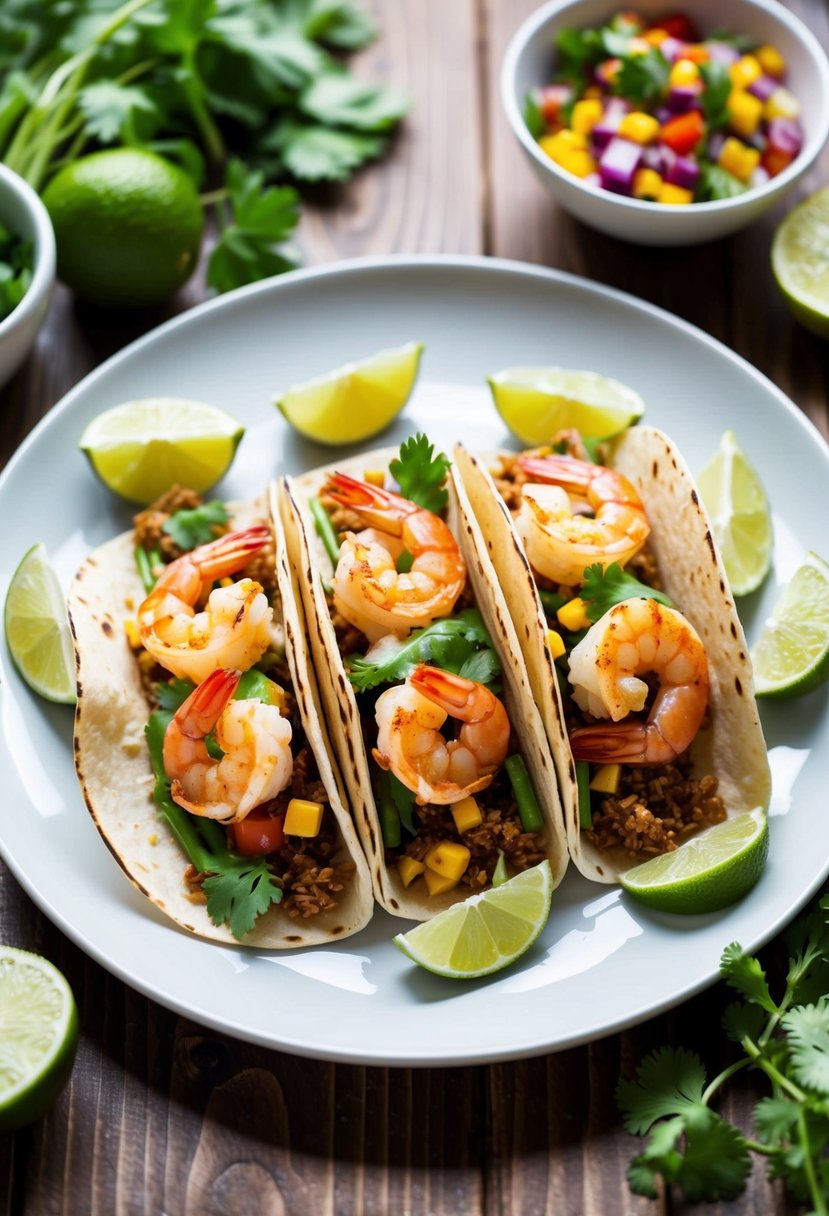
(22,212)
(530,60)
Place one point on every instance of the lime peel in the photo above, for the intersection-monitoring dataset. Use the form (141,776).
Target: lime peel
(537,402)
(800,261)
(736,502)
(37,628)
(791,656)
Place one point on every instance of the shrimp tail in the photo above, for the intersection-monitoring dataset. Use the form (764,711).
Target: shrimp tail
(230,553)
(564,471)
(375,506)
(451,692)
(616,743)
(197,716)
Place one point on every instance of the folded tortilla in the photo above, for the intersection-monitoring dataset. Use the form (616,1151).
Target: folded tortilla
(113,761)
(313,565)
(730,744)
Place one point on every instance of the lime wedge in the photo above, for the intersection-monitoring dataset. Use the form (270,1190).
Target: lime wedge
(37,628)
(487,931)
(39,1034)
(707,872)
(353,402)
(792,655)
(736,501)
(536,402)
(142,448)
(800,262)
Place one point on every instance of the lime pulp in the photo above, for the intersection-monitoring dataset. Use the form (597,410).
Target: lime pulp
(792,654)
(37,628)
(736,502)
(537,402)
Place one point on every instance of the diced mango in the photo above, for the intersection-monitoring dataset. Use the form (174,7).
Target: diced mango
(133,637)
(683,73)
(592,90)
(738,159)
(556,643)
(303,818)
(572,615)
(646,184)
(466,814)
(639,127)
(655,36)
(606,779)
(448,858)
(438,883)
(408,868)
(569,150)
(781,104)
(744,112)
(375,477)
(745,71)
(771,61)
(586,114)
(674,195)
(697,52)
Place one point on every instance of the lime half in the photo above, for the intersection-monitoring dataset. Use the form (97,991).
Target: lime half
(800,262)
(142,448)
(353,402)
(37,628)
(736,501)
(38,1033)
(707,872)
(487,931)
(536,402)
(792,655)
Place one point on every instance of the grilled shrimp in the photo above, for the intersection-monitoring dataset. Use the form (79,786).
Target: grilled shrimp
(233,629)
(409,740)
(631,639)
(255,738)
(368,589)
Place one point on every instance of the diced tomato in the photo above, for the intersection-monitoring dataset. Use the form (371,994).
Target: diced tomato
(774,161)
(552,100)
(258,833)
(678,26)
(683,133)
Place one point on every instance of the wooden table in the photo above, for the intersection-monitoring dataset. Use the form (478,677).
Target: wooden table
(162,1115)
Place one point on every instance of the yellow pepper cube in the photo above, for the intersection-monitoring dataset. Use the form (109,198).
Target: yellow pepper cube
(646,184)
(683,73)
(556,643)
(771,61)
(586,114)
(745,71)
(655,37)
(592,90)
(133,637)
(375,477)
(674,196)
(438,883)
(569,150)
(408,868)
(744,112)
(303,818)
(738,159)
(448,859)
(639,127)
(605,780)
(572,615)
(466,814)
(781,104)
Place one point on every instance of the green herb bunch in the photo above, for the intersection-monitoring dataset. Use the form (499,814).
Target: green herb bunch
(787,1039)
(248,96)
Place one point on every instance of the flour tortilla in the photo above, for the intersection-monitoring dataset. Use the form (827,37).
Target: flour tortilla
(312,565)
(731,745)
(113,762)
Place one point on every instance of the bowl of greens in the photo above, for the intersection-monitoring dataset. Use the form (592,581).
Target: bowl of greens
(27,269)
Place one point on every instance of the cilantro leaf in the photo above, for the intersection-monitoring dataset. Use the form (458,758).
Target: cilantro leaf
(715,95)
(241,892)
(776,1118)
(745,973)
(172,694)
(340,99)
(577,50)
(660,1158)
(313,152)
(741,1021)
(716,1162)
(249,246)
(716,182)
(532,115)
(118,112)
(808,1031)
(668,1082)
(483,667)
(604,588)
(338,23)
(403,800)
(452,644)
(420,474)
(643,78)
(190,528)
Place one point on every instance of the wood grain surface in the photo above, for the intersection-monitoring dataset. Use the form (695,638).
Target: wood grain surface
(164,1116)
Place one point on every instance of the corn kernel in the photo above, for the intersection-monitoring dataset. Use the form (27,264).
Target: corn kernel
(674,195)
(586,114)
(771,61)
(646,184)
(573,616)
(375,477)
(744,112)
(438,883)
(466,814)
(556,643)
(564,139)
(655,37)
(605,780)
(303,818)
(448,859)
(683,73)
(781,104)
(639,127)
(738,159)
(152,839)
(133,637)
(745,71)
(408,868)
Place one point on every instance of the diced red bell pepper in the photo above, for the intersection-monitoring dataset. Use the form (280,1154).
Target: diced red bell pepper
(683,133)
(258,834)
(774,161)
(551,101)
(678,26)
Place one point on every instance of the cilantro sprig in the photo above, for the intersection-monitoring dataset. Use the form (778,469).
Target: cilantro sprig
(420,474)
(787,1039)
(195,526)
(604,588)
(460,644)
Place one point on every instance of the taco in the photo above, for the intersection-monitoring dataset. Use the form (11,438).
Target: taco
(635,653)
(449,773)
(215,792)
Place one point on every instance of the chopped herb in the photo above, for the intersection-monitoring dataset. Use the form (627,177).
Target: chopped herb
(715,95)
(458,644)
(146,563)
(325,530)
(529,811)
(578,51)
(190,528)
(532,115)
(716,182)
(420,474)
(643,78)
(604,588)
(172,695)
(16,263)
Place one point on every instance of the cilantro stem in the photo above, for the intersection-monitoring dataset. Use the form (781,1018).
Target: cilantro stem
(794,1091)
(720,1080)
(325,529)
(213,142)
(809,1165)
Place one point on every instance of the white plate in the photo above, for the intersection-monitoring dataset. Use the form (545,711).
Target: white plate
(602,963)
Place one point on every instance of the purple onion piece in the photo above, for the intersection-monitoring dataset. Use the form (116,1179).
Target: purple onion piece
(652,157)
(683,172)
(785,135)
(616,109)
(682,98)
(603,132)
(715,145)
(763,87)
(723,52)
(759,177)
(618,165)
(672,49)
(592,179)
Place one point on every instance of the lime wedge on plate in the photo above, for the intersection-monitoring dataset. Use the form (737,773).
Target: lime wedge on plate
(37,628)
(536,402)
(356,401)
(792,655)
(487,931)
(736,501)
(39,1034)
(142,448)
(800,262)
(707,872)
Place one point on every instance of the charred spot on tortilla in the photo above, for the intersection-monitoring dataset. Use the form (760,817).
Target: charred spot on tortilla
(694,498)
(734,635)
(655,470)
(709,540)
(293,937)
(738,685)
(337,929)
(106,626)
(722,589)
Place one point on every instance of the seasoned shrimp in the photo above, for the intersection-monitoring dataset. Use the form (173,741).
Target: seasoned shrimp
(631,639)
(368,589)
(233,630)
(255,738)
(561,544)
(409,740)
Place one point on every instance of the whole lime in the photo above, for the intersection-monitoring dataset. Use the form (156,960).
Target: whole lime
(128,226)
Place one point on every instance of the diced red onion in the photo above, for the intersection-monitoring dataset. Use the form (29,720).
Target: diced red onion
(785,135)
(592,179)
(662,115)
(757,140)
(759,177)
(723,52)
(672,48)
(682,98)
(616,108)
(683,172)
(715,142)
(763,87)
(618,164)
